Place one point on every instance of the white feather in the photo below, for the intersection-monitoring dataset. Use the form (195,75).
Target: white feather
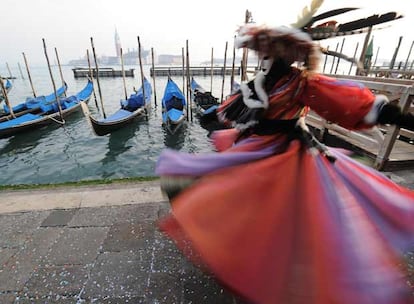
(307,14)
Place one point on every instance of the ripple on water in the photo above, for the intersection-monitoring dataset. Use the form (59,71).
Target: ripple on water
(71,153)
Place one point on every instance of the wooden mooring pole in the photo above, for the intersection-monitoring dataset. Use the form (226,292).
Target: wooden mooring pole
(394,57)
(6,97)
(53,83)
(153,77)
(97,77)
(91,77)
(211,72)
(28,75)
(233,66)
(60,70)
(224,73)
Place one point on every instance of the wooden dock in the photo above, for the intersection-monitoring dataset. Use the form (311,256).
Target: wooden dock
(389,147)
(388,73)
(103,72)
(194,71)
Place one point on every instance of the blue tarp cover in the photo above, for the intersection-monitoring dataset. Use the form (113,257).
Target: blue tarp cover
(36,102)
(209,110)
(52,108)
(136,100)
(19,120)
(172,90)
(195,86)
(118,115)
(86,92)
(173,115)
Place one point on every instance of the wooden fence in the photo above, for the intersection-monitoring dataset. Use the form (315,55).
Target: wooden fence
(383,144)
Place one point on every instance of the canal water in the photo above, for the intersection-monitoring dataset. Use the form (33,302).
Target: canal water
(72,152)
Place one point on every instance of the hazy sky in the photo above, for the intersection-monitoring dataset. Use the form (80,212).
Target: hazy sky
(166,25)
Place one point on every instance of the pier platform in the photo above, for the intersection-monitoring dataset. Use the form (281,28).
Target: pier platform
(389,147)
(194,71)
(103,72)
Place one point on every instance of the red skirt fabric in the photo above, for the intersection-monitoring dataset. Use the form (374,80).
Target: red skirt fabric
(296,228)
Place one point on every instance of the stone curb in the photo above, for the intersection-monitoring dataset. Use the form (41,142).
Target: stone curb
(80,197)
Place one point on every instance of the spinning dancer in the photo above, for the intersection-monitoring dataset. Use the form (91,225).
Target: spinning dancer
(276,216)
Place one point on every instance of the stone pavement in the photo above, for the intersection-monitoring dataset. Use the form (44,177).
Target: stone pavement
(100,244)
(94,245)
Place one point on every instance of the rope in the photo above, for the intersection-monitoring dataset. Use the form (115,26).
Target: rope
(62,122)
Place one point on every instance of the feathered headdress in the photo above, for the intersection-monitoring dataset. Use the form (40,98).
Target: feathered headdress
(296,42)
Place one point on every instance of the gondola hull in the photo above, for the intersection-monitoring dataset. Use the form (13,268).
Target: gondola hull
(29,121)
(173,107)
(136,106)
(101,128)
(203,101)
(32,105)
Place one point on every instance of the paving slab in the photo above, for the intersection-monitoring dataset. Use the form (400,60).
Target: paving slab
(16,228)
(56,281)
(58,218)
(76,246)
(129,236)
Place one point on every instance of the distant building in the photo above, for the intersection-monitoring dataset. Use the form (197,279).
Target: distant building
(252,60)
(130,57)
(80,62)
(170,59)
(110,60)
(117,44)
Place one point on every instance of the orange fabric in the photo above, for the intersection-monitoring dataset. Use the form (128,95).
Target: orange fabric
(293,227)
(339,101)
(250,241)
(266,231)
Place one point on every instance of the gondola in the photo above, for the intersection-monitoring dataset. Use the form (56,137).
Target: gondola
(130,109)
(7,85)
(173,106)
(49,114)
(32,105)
(202,99)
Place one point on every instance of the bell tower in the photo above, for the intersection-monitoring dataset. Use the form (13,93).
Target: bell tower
(117,44)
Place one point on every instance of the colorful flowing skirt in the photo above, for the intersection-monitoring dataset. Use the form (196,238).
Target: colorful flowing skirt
(278,222)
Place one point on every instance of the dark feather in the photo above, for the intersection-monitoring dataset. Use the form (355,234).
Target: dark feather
(329,14)
(327,33)
(359,26)
(367,22)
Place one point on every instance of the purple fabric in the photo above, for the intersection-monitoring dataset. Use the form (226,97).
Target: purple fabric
(172,162)
(362,266)
(375,199)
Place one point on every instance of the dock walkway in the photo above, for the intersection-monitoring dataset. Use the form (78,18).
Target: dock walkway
(388,146)
(103,72)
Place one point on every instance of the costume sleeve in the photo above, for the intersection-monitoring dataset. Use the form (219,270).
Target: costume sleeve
(343,102)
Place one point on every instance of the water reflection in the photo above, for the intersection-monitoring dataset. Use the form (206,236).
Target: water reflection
(29,139)
(117,142)
(175,140)
(72,152)
(24,142)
